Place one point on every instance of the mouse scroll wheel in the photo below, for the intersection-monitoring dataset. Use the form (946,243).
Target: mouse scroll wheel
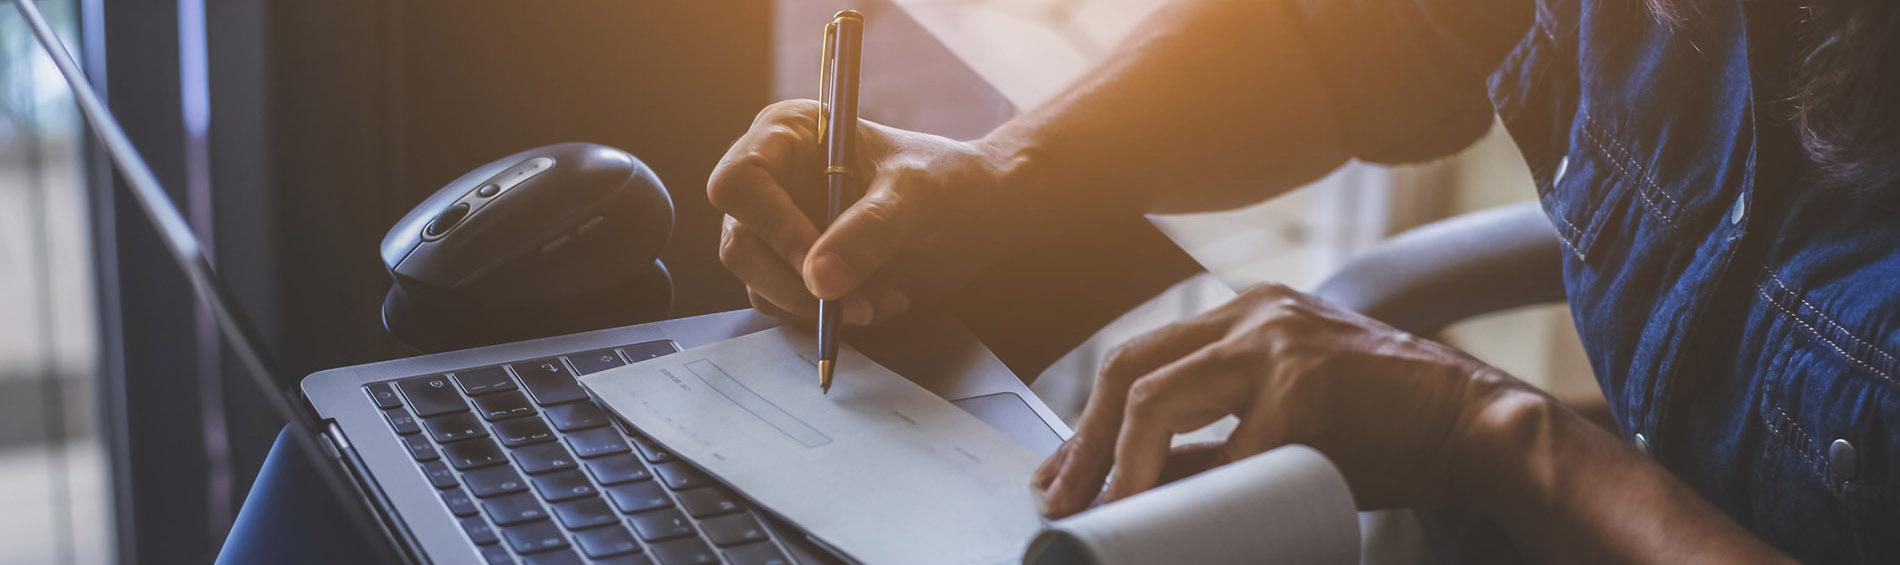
(445,222)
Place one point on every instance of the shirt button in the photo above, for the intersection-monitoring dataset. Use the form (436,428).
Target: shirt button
(1735,216)
(1563,165)
(1642,444)
(1841,456)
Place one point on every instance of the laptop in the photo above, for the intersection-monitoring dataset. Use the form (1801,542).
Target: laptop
(497,455)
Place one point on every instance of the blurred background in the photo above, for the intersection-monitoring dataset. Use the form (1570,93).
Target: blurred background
(294,133)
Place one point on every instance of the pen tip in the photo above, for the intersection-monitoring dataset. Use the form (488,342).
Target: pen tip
(824,375)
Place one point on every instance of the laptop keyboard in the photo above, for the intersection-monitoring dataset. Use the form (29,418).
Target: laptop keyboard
(537,472)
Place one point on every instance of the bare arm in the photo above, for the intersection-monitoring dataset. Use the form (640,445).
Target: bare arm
(1567,490)
(1208,104)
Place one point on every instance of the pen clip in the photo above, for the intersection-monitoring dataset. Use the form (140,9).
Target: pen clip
(825,64)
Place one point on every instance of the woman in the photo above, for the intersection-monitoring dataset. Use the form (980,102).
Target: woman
(1720,173)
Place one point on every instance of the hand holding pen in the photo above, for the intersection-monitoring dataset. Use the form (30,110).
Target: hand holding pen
(934,213)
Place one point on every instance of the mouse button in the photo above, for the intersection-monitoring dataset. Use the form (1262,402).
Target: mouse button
(488,190)
(445,222)
(520,173)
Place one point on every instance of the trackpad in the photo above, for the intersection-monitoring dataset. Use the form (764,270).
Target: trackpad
(1009,414)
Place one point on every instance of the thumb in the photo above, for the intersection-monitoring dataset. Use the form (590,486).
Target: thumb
(861,241)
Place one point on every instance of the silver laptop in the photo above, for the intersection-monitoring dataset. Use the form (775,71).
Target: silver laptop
(496,455)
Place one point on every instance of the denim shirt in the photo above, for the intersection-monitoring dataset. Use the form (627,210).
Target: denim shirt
(1740,319)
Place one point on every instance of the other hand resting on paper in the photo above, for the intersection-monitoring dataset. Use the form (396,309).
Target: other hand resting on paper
(1388,408)
(1409,422)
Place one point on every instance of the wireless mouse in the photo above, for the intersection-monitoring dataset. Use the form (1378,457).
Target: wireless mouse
(559,237)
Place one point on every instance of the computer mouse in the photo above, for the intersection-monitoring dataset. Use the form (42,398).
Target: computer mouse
(548,222)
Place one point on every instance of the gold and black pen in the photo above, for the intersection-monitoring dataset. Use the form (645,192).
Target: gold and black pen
(837,128)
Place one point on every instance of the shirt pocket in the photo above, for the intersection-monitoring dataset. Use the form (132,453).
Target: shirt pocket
(1830,456)
(1600,184)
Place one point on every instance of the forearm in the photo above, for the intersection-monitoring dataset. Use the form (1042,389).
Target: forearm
(1567,490)
(1208,104)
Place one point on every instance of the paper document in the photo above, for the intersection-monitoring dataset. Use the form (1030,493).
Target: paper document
(879,469)
(1288,505)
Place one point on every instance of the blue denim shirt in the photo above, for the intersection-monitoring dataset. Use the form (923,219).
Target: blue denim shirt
(1740,319)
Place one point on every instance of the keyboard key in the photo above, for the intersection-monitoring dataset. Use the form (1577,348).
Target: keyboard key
(523,431)
(733,529)
(533,537)
(628,559)
(454,427)
(514,509)
(647,350)
(497,555)
(548,381)
(689,551)
(679,476)
(383,396)
(473,454)
(459,502)
(605,542)
(401,420)
(596,442)
(558,557)
(432,395)
(651,451)
(503,405)
(595,361)
(616,469)
(640,496)
(709,501)
(576,416)
(419,447)
(661,524)
(565,485)
(484,380)
(584,513)
(756,554)
(439,474)
(484,483)
(479,530)
(544,457)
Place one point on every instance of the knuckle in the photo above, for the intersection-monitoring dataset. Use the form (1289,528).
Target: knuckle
(1117,362)
(800,114)
(1270,289)
(1144,399)
(729,252)
(877,212)
(786,107)
(1281,309)
(780,131)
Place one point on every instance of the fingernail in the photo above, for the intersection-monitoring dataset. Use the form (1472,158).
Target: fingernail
(892,304)
(857,312)
(830,277)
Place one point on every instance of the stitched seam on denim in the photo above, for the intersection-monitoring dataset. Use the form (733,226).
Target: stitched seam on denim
(1762,289)
(1622,151)
(1828,320)
(1635,174)
(1806,447)
(1571,246)
(1574,233)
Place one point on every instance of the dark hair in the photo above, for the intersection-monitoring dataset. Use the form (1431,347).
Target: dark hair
(1844,93)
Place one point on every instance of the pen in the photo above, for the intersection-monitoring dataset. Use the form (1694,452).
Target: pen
(838,104)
